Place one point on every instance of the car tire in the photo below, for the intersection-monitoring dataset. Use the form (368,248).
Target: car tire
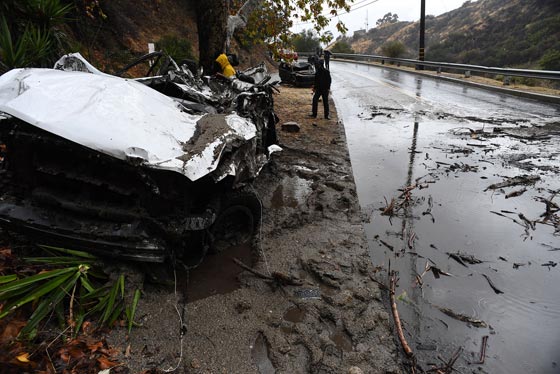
(237,222)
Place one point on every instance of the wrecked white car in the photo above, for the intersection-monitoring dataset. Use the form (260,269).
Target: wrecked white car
(141,169)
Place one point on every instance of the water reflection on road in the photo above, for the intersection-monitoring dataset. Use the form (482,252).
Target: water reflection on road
(448,144)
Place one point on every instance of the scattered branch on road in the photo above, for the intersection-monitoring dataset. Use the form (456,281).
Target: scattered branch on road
(515,181)
(396,317)
(448,367)
(496,290)
(464,259)
(462,317)
(483,350)
(391,248)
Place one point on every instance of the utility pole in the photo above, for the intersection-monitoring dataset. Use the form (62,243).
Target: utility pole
(422,32)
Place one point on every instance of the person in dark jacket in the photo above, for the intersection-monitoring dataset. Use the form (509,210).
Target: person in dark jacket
(321,88)
(327,54)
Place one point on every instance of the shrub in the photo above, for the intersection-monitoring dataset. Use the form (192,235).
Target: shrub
(178,48)
(29,36)
(342,47)
(550,60)
(393,49)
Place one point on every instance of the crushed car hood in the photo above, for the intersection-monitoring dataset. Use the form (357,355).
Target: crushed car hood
(120,117)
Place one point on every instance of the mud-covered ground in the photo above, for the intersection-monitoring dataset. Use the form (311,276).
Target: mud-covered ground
(332,321)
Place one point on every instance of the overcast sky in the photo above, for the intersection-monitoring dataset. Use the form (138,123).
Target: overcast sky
(407,10)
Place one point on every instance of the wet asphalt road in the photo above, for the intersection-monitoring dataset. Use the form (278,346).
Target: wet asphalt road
(452,142)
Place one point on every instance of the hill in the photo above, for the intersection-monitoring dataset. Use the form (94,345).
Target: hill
(504,33)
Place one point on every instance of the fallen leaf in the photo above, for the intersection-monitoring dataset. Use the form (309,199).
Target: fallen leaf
(24,357)
(11,331)
(105,363)
(87,328)
(95,346)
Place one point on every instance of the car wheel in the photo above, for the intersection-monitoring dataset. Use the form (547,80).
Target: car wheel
(237,221)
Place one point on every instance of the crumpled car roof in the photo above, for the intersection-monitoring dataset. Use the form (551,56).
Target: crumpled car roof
(116,116)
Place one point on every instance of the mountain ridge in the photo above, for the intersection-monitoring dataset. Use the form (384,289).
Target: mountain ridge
(504,33)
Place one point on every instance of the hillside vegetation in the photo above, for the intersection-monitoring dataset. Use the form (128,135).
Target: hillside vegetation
(503,33)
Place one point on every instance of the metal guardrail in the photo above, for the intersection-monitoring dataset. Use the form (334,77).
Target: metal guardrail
(439,66)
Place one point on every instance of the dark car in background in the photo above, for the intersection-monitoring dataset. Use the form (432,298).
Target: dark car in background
(299,74)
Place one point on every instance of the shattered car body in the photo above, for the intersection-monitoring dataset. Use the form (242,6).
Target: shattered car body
(140,169)
(300,74)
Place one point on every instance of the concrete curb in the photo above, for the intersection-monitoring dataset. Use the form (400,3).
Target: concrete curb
(509,91)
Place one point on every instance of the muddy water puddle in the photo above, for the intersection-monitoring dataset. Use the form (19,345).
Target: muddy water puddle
(445,178)
(292,192)
(203,281)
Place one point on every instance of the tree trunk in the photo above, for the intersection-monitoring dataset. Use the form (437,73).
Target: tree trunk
(211,18)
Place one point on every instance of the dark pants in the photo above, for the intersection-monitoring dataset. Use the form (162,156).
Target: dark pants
(327,64)
(325,96)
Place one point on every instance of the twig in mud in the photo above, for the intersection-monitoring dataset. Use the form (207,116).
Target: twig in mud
(406,192)
(387,245)
(275,276)
(389,207)
(496,290)
(411,240)
(503,215)
(520,180)
(462,317)
(419,280)
(251,270)
(453,360)
(551,207)
(381,285)
(457,258)
(396,317)
(483,350)
(463,259)
(528,223)
(426,269)
(516,193)
(429,210)
(437,272)
(448,367)
(478,145)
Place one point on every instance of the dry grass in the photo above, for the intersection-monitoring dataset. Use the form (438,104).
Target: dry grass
(294,105)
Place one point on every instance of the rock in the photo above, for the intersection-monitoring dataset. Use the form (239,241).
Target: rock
(355,370)
(242,306)
(195,364)
(290,127)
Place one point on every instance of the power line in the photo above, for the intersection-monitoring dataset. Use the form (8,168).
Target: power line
(341,14)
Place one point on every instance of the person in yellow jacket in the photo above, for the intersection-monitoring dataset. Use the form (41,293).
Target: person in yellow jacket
(226,68)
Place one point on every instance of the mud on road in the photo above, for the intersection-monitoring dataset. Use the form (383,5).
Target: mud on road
(332,321)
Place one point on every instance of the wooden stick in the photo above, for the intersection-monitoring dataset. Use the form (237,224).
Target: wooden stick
(398,324)
(391,248)
(483,350)
(275,276)
(496,290)
(251,270)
